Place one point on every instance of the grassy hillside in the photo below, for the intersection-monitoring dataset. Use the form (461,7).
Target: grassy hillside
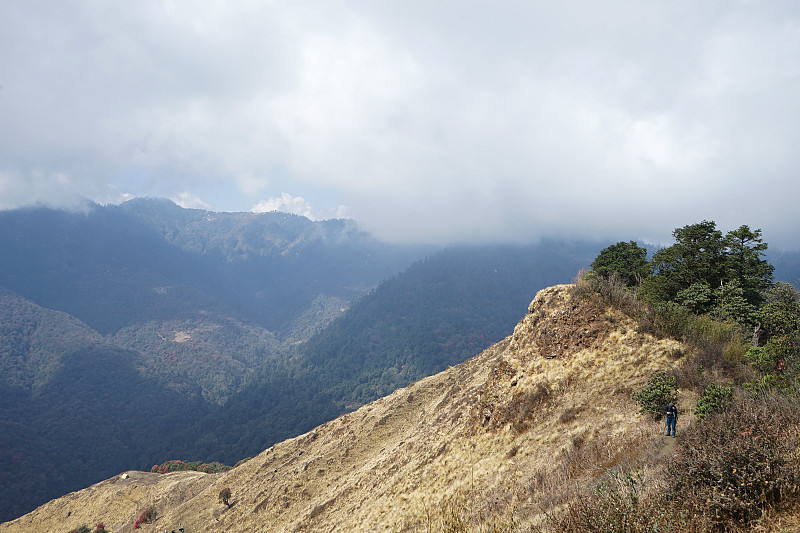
(495,438)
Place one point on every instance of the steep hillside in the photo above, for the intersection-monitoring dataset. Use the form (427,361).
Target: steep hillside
(441,311)
(508,431)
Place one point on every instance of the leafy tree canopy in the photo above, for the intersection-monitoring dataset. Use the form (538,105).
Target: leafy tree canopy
(780,314)
(745,264)
(627,259)
(708,272)
(697,256)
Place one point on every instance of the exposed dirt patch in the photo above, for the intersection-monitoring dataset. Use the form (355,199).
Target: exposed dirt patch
(667,447)
(182,336)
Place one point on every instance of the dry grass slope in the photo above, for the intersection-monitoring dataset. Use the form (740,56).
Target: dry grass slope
(493,444)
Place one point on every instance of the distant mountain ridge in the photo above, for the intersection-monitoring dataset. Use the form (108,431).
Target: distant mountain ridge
(240,235)
(150,259)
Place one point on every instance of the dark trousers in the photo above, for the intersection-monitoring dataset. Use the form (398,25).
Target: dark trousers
(671,425)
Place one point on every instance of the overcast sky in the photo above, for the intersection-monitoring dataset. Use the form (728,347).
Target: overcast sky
(432,120)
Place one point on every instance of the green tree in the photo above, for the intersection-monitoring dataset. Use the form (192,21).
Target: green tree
(698,255)
(698,297)
(661,389)
(707,272)
(627,259)
(732,303)
(745,264)
(780,314)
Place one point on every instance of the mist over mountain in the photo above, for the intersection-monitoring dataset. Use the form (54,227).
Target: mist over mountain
(114,266)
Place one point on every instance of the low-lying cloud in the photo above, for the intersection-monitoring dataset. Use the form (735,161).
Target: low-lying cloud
(434,121)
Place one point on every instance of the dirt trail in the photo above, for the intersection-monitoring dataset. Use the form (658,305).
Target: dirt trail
(667,446)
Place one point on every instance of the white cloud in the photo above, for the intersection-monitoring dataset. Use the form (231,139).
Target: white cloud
(124,197)
(429,120)
(287,204)
(190,200)
(39,187)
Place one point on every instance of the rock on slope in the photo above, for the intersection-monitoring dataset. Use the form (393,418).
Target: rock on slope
(509,432)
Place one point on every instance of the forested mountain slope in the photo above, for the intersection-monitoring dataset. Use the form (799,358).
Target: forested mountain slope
(74,407)
(147,259)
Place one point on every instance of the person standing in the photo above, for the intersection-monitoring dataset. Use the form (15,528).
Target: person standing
(671,413)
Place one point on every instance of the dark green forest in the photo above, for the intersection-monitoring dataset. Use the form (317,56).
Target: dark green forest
(73,407)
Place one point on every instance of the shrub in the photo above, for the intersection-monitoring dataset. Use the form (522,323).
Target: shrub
(661,390)
(99,528)
(761,359)
(147,516)
(740,461)
(621,503)
(672,320)
(176,465)
(584,284)
(762,385)
(225,496)
(734,353)
(715,400)
(778,361)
